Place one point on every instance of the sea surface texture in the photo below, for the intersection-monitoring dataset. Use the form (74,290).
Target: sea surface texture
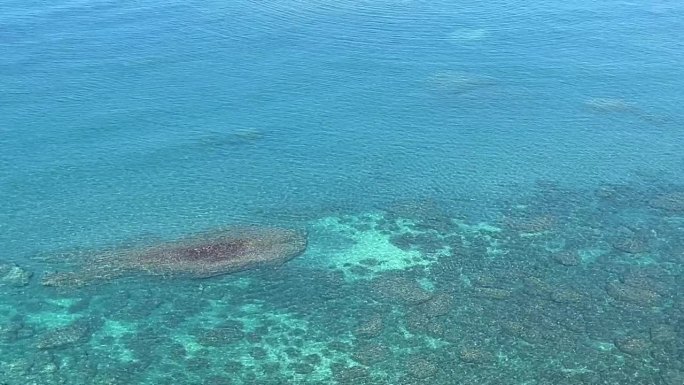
(352,192)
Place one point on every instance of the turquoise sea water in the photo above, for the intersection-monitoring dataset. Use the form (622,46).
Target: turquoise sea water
(492,192)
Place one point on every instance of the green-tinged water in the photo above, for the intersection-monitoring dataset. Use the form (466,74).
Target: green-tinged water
(564,287)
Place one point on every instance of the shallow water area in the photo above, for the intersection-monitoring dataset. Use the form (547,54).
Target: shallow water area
(491,193)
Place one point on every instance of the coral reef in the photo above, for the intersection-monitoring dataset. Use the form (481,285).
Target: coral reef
(421,367)
(351,375)
(567,258)
(399,289)
(670,201)
(220,335)
(528,223)
(630,244)
(370,354)
(397,297)
(637,295)
(60,337)
(474,355)
(13,275)
(438,305)
(491,293)
(633,345)
(371,327)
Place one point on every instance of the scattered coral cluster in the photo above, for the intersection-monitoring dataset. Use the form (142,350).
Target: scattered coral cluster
(562,287)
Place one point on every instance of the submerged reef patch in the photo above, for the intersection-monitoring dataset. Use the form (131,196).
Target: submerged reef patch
(13,275)
(363,246)
(412,294)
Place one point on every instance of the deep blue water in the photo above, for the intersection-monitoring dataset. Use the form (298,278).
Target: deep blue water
(124,120)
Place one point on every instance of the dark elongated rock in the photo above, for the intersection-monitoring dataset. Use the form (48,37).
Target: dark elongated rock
(201,256)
